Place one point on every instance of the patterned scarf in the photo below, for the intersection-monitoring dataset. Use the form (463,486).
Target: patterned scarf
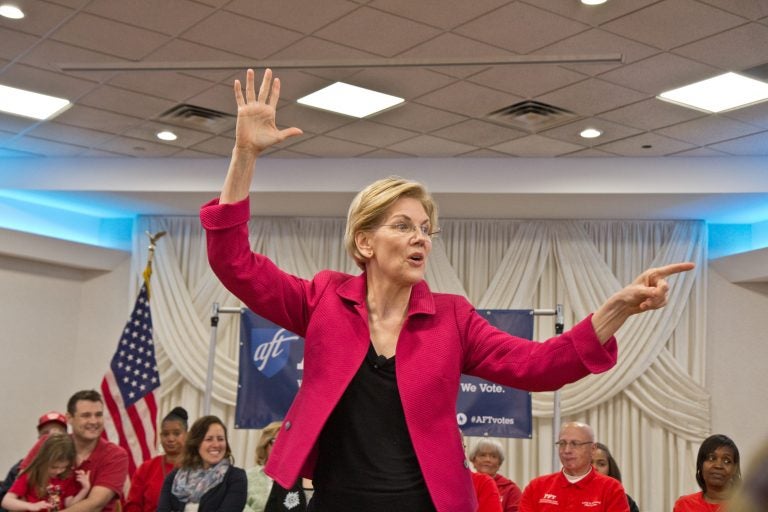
(189,485)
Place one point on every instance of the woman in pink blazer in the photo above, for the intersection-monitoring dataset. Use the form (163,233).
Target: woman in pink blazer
(374,422)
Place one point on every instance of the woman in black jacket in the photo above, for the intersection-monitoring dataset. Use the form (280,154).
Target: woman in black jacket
(206,481)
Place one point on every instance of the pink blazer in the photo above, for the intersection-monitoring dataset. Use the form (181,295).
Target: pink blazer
(442,337)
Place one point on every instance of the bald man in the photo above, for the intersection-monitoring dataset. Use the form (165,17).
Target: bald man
(578,486)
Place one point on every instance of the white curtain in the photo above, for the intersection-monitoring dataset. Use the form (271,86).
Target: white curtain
(651,410)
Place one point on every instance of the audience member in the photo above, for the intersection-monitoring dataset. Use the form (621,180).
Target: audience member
(578,486)
(49,423)
(48,482)
(265,495)
(106,462)
(487,456)
(603,461)
(752,494)
(717,473)
(206,480)
(148,479)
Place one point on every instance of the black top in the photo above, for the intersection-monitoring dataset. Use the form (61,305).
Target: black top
(228,496)
(366,460)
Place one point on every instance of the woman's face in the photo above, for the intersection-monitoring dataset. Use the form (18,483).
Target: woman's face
(172,437)
(718,468)
(487,461)
(398,249)
(600,461)
(214,446)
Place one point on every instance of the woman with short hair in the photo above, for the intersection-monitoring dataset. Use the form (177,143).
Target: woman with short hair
(718,474)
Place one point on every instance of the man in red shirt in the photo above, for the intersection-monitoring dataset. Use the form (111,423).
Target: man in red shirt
(578,486)
(107,462)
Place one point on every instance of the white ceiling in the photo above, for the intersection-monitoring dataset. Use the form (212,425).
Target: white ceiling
(492,170)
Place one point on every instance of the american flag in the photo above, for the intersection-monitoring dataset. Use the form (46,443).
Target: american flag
(129,384)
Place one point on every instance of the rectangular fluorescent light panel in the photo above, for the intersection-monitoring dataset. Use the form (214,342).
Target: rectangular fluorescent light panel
(30,104)
(720,93)
(350,100)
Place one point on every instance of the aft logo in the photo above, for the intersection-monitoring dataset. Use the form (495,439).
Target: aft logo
(270,349)
(591,503)
(550,499)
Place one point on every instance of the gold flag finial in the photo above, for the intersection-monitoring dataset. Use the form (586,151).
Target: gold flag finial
(152,241)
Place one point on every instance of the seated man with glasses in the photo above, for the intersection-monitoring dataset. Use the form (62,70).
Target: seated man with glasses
(578,486)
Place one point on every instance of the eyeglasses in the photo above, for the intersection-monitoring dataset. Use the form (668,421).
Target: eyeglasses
(406,228)
(562,445)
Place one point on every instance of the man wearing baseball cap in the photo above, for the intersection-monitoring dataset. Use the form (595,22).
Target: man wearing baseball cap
(49,423)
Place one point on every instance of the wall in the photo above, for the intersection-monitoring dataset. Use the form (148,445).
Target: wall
(60,327)
(737,360)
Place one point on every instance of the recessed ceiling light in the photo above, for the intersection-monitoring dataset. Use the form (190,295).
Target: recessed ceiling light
(11,11)
(30,104)
(350,100)
(593,2)
(717,94)
(166,135)
(590,133)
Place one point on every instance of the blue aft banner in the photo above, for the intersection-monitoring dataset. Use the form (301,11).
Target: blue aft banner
(272,363)
(487,409)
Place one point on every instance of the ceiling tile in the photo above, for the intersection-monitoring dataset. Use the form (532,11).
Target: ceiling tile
(372,134)
(428,146)
(527,80)
(708,130)
(147,131)
(451,45)
(655,145)
(671,23)
(732,50)
(570,132)
(418,118)
(298,15)
(70,134)
(520,28)
(405,83)
(45,82)
(479,133)
(468,99)
(240,36)
(752,145)
(591,97)
(51,55)
(169,16)
(484,153)
(218,97)
(326,146)
(15,43)
(590,153)
(756,115)
(221,146)
(591,14)
(96,119)
(125,102)
(651,114)
(537,146)
(660,73)
(138,148)
(700,152)
(16,124)
(44,147)
(40,18)
(752,9)
(436,13)
(88,31)
(169,85)
(377,32)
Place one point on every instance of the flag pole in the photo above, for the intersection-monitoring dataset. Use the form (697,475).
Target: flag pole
(147,274)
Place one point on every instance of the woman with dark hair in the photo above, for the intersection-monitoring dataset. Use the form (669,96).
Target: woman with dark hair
(603,462)
(718,474)
(373,424)
(206,480)
(148,479)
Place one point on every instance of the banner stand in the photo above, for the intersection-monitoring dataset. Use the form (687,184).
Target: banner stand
(215,311)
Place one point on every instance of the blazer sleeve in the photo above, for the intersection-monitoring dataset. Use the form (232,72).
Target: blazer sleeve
(236,491)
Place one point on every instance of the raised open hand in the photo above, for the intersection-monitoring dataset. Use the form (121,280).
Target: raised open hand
(256,127)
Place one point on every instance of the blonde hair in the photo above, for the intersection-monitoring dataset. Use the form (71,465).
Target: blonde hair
(267,435)
(370,205)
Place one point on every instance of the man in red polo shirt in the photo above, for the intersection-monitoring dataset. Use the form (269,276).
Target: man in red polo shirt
(578,486)
(107,462)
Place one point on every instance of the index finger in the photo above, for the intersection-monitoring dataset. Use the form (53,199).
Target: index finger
(674,268)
